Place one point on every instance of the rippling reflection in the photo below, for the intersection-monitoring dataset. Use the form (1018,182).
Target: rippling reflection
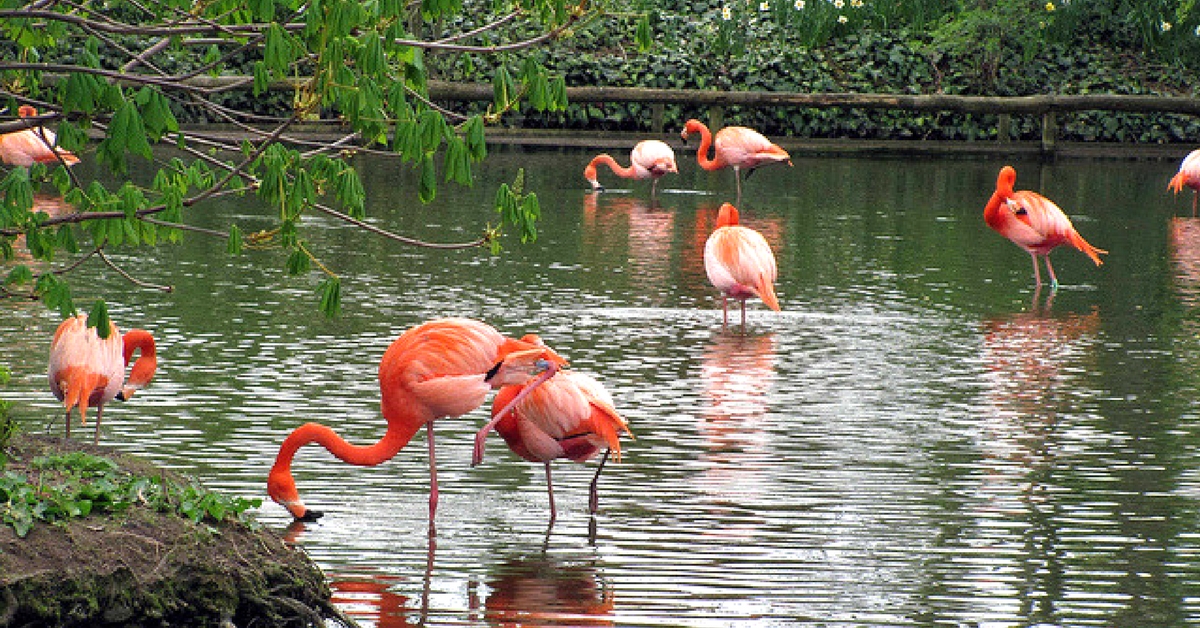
(913,441)
(545,590)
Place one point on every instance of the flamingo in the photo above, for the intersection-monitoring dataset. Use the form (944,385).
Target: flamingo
(570,416)
(1034,223)
(86,370)
(440,368)
(649,159)
(30,146)
(739,263)
(1189,176)
(736,147)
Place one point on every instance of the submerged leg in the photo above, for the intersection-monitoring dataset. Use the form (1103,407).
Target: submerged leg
(743,312)
(1053,279)
(724,311)
(99,415)
(68,424)
(593,492)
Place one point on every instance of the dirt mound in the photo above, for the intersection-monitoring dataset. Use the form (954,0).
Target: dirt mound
(145,567)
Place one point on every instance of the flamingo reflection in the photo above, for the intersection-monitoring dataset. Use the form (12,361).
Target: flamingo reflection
(738,373)
(547,591)
(624,226)
(1030,358)
(370,597)
(1184,243)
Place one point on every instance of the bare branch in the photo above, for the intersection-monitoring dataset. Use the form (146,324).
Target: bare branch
(129,277)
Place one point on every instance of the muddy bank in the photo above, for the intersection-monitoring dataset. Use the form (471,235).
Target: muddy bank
(146,567)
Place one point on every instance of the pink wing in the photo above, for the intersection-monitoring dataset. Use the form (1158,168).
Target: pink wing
(571,416)
(654,158)
(746,148)
(25,148)
(740,263)
(1040,225)
(84,369)
(1189,173)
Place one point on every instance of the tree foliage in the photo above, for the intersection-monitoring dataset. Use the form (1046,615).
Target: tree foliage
(115,78)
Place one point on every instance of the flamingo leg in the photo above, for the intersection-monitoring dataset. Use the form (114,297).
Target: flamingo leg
(743,312)
(737,176)
(1195,198)
(1053,279)
(99,415)
(433,483)
(593,492)
(654,189)
(1037,272)
(68,424)
(550,492)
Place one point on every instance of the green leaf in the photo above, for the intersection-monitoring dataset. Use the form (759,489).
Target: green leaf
(18,275)
(234,246)
(99,319)
(330,292)
(457,163)
(428,180)
(643,35)
(503,89)
(476,144)
(298,263)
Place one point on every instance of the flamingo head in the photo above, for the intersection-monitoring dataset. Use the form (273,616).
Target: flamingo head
(692,126)
(1006,180)
(589,173)
(521,360)
(282,489)
(727,216)
(26,111)
(664,166)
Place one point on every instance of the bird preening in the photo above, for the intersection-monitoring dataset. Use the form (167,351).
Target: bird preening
(89,371)
(441,368)
(1034,223)
(570,416)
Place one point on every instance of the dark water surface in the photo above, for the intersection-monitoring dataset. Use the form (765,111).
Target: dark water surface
(918,439)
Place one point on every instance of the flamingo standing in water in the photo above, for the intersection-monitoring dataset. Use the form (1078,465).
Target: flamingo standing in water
(1033,222)
(739,263)
(1188,176)
(570,416)
(87,370)
(735,147)
(649,159)
(30,146)
(441,368)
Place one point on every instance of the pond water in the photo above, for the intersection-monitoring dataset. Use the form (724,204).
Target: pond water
(918,439)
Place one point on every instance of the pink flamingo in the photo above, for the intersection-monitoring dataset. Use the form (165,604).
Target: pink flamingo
(739,263)
(735,147)
(30,146)
(1033,222)
(86,370)
(437,369)
(649,159)
(1188,176)
(570,416)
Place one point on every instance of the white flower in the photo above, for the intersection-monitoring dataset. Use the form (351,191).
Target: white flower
(1198,31)
(843,19)
(799,4)
(856,3)
(726,13)
(1165,26)
(837,4)
(764,6)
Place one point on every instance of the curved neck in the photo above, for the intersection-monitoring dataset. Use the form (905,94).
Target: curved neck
(706,140)
(141,341)
(606,160)
(396,437)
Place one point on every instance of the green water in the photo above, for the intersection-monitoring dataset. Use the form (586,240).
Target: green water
(918,439)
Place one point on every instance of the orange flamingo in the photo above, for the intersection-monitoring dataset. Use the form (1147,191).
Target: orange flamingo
(736,147)
(739,263)
(86,370)
(1033,222)
(649,159)
(30,146)
(441,368)
(1188,176)
(570,416)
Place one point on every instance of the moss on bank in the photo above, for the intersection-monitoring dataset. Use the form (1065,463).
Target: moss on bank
(147,567)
